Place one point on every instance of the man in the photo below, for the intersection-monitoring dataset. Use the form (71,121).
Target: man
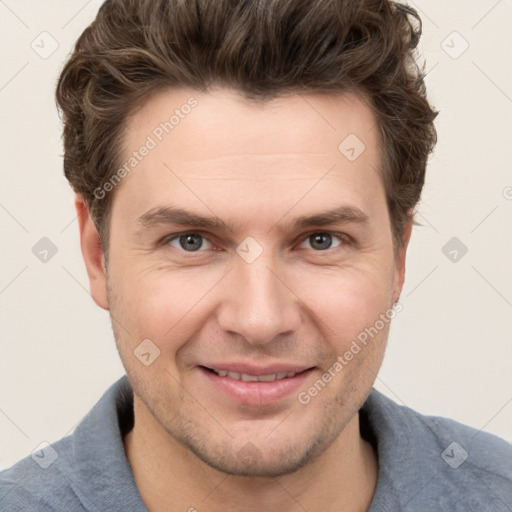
(246,174)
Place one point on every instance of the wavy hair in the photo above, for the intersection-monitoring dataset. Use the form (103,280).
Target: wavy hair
(263,49)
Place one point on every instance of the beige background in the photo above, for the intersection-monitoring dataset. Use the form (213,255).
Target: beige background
(450,350)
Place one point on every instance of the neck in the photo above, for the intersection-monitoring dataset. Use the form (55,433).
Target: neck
(170,477)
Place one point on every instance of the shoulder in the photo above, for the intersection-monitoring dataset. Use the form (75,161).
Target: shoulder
(478,463)
(478,448)
(41,481)
(463,444)
(435,460)
(84,471)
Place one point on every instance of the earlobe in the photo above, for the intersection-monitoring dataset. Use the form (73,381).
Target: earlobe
(92,252)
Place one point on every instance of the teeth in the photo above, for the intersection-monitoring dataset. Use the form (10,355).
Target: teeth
(248,378)
(267,378)
(254,378)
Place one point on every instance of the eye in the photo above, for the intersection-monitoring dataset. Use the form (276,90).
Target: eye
(189,242)
(322,241)
(193,242)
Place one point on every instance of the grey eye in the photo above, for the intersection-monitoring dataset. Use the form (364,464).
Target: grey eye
(189,242)
(321,241)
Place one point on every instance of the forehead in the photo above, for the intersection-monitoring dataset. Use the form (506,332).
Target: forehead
(224,123)
(217,147)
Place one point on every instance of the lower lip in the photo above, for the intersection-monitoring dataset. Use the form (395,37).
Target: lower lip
(257,393)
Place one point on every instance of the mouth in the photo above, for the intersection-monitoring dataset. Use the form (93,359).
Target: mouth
(253,378)
(256,387)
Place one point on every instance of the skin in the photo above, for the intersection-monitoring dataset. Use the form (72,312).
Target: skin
(257,167)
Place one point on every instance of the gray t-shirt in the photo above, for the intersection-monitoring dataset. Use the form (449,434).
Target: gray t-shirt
(426,463)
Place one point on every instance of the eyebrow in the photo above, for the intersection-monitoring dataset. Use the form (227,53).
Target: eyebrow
(168,215)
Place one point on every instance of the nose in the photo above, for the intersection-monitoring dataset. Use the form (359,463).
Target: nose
(259,302)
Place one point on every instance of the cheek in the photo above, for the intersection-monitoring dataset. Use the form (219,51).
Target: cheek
(345,302)
(162,305)
(170,306)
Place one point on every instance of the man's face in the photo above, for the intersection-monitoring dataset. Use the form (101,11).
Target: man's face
(262,295)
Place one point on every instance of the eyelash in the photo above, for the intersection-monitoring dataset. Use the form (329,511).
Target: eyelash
(343,237)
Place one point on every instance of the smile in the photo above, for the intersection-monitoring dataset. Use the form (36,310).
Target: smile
(270,386)
(253,378)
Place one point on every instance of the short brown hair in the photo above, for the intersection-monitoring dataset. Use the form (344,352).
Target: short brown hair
(261,48)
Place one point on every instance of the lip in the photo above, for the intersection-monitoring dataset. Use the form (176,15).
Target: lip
(256,393)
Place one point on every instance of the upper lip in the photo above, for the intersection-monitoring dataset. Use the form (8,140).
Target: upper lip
(250,369)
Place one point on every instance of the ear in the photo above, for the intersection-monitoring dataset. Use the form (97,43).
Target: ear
(92,252)
(400,262)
